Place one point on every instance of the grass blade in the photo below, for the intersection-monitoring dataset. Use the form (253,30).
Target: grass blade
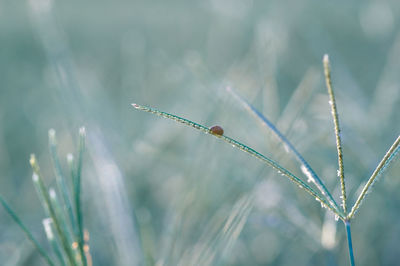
(248,150)
(62,186)
(77,193)
(382,166)
(46,202)
(332,102)
(28,233)
(306,168)
(60,216)
(47,224)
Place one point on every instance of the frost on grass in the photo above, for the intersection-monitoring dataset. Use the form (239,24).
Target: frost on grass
(308,174)
(47,228)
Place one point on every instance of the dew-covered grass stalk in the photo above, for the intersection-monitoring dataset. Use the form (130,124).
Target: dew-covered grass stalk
(280,169)
(335,116)
(322,194)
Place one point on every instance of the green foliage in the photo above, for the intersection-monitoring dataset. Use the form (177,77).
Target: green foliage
(62,220)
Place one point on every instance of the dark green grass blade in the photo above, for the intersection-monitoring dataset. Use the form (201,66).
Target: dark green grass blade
(283,171)
(305,166)
(27,232)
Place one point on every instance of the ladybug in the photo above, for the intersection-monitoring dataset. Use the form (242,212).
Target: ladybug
(217,130)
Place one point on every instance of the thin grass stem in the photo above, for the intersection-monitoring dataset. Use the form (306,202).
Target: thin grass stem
(62,186)
(332,102)
(305,166)
(386,160)
(248,150)
(60,216)
(77,192)
(47,224)
(27,232)
(349,242)
(46,202)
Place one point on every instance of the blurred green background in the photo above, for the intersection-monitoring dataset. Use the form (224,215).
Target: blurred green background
(158,193)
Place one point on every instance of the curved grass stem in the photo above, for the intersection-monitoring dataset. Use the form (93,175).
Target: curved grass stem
(322,199)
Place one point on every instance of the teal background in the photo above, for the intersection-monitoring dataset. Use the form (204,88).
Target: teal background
(158,193)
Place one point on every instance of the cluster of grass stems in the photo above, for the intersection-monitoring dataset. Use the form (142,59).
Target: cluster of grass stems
(318,190)
(64,222)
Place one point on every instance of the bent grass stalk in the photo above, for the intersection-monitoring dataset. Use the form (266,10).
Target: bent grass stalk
(280,169)
(325,198)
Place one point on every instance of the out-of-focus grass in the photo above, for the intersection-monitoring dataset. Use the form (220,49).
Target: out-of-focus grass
(179,56)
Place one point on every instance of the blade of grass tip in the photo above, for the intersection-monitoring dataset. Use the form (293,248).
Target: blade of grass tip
(27,232)
(281,170)
(46,202)
(62,186)
(382,166)
(305,167)
(332,102)
(77,190)
(47,224)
